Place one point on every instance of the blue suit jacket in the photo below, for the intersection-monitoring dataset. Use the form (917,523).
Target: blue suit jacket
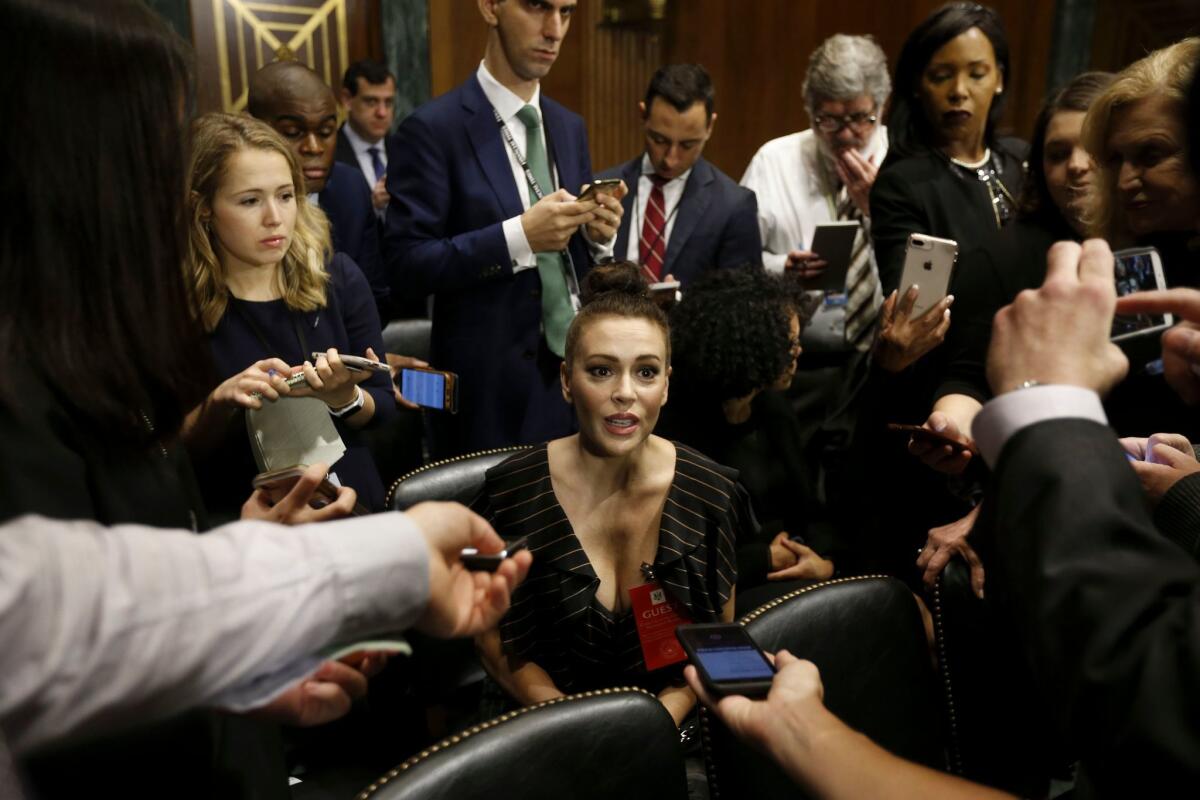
(346,200)
(452,188)
(716,225)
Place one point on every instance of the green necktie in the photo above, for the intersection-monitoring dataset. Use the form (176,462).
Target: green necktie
(557,311)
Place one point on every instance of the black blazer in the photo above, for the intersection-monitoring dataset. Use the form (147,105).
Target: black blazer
(923,194)
(1106,609)
(716,225)
(346,200)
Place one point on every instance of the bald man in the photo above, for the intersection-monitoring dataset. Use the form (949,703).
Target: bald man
(293,100)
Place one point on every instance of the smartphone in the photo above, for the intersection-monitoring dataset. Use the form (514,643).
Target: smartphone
(476,561)
(834,243)
(358,363)
(608,185)
(728,660)
(932,437)
(430,388)
(665,293)
(929,263)
(277,483)
(1138,269)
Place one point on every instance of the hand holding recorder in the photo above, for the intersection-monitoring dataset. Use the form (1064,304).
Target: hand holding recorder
(464,602)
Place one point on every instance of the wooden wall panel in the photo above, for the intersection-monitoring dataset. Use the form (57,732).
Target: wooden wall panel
(756,50)
(1126,30)
(235,38)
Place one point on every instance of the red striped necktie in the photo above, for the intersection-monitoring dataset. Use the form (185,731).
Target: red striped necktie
(652,249)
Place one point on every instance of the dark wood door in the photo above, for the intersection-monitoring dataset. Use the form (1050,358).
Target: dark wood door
(234,38)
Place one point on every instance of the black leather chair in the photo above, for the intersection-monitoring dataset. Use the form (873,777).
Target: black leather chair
(408,337)
(607,744)
(1000,731)
(866,636)
(459,479)
(447,671)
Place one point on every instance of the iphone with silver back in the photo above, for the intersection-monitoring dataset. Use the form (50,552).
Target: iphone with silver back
(928,263)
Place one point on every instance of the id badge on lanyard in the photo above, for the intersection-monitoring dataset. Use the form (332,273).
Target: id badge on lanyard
(657,614)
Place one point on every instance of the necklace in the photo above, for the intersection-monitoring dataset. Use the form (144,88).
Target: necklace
(1002,201)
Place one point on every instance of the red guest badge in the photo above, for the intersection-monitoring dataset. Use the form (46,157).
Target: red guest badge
(656,615)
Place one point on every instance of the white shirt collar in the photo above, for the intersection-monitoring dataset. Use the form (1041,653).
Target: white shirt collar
(648,170)
(504,100)
(358,143)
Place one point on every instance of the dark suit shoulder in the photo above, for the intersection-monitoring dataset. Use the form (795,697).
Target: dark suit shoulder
(345,151)
(726,183)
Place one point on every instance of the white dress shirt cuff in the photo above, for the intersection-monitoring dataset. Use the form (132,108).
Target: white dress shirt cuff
(519,251)
(775,263)
(1006,415)
(600,251)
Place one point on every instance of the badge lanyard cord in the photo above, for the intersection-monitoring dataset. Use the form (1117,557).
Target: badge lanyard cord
(568,264)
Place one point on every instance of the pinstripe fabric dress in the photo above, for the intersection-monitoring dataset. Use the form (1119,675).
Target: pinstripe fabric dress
(556,621)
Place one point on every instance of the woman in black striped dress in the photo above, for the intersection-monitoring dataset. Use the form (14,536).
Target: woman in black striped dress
(608,510)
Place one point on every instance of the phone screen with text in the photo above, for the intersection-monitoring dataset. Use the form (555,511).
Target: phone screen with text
(734,662)
(424,388)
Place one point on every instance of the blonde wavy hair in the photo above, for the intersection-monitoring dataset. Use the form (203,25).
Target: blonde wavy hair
(1164,73)
(215,139)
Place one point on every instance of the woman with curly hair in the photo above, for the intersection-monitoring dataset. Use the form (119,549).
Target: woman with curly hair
(736,337)
(268,292)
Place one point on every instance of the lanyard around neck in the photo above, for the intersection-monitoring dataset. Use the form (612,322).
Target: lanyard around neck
(568,264)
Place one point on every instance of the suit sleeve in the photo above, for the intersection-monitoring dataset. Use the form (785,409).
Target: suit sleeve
(742,242)
(370,257)
(1106,609)
(423,257)
(895,213)
(363,329)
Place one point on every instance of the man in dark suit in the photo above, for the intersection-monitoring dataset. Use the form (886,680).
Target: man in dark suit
(685,215)
(293,100)
(368,96)
(466,225)
(1106,608)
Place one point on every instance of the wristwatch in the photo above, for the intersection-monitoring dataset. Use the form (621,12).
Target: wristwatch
(351,408)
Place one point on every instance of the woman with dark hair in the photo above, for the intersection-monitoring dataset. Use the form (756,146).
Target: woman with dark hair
(100,355)
(947,173)
(735,339)
(608,512)
(1052,208)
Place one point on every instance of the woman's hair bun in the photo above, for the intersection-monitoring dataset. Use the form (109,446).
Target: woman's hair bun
(621,278)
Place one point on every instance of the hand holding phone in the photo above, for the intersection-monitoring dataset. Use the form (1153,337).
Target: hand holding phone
(919,433)
(476,561)
(430,388)
(929,265)
(727,659)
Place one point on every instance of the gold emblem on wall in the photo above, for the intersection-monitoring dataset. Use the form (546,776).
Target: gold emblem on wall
(249,35)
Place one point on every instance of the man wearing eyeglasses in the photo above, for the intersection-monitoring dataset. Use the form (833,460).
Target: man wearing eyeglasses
(824,175)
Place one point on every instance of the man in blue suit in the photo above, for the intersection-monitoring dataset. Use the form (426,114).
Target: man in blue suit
(293,100)
(686,215)
(466,225)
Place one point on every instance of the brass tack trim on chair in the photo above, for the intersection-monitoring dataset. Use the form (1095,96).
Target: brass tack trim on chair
(765,607)
(391,492)
(710,763)
(457,738)
(954,753)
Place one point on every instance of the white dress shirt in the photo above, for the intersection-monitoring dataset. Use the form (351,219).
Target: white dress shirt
(360,146)
(797,190)
(100,626)
(507,104)
(672,194)
(1003,417)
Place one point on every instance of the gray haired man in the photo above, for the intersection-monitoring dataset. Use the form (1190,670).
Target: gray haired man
(823,175)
